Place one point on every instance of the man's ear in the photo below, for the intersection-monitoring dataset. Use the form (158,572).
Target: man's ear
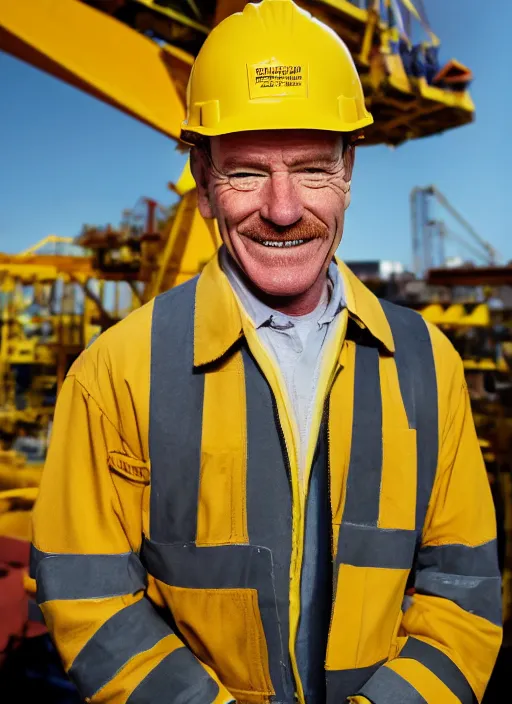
(199,169)
(349,156)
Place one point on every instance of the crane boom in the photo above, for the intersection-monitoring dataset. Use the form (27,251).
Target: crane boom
(426,229)
(443,200)
(471,248)
(99,55)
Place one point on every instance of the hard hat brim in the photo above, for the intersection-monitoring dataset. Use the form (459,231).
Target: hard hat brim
(298,124)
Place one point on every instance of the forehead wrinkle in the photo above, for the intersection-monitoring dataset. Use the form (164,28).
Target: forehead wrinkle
(317,152)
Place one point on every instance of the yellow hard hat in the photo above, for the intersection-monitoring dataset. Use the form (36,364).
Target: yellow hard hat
(273,66)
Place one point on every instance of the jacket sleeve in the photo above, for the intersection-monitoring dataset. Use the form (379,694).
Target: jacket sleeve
(451,633)
(91,585)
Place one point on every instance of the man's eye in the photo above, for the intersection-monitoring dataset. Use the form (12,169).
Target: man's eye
(312,170)
(244,174)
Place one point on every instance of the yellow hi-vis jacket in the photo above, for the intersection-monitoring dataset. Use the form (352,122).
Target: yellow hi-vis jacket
(169,529)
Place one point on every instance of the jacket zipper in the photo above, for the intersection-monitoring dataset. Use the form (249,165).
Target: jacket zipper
(282,439)
(288,471)
(295,676)
(329,484)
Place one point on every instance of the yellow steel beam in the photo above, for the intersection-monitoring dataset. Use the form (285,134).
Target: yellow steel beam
(97,54)
(28,273)
(40,264)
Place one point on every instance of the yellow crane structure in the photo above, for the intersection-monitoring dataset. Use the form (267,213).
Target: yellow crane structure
(54,300)
(156,247)
(137,54)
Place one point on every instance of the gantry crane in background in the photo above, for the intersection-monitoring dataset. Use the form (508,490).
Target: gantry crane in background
(154,248)
(56,296)
(430,233)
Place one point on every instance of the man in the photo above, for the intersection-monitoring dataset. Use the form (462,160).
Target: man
(247,474)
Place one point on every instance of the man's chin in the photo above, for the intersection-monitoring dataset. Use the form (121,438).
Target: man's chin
(279,278)
(283,289)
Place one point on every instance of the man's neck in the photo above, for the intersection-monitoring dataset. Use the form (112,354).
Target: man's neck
(296,305)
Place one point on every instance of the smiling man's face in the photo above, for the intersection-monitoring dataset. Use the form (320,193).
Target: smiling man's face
(280,199)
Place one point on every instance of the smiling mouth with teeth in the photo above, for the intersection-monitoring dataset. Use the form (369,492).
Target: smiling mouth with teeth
(281,243)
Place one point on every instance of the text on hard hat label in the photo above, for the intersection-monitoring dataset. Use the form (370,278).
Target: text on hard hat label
(273,79)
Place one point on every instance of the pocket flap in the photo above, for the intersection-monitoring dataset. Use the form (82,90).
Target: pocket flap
(129,467)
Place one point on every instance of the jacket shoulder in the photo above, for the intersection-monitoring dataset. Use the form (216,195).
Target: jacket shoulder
(407,327)
(409,323)
(405,323)
(117,346)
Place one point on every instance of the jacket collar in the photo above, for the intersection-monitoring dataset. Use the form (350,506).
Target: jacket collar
(364,307)
(218,322)
(217,319)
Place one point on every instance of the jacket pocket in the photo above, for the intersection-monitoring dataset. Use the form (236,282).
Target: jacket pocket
(222,600)
(223,628)
(365,616)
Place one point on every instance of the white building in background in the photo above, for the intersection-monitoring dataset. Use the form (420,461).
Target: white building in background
(388,269)
(382,269)
(453,262)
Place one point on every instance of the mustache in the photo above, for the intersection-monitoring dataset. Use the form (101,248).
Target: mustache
(264,232)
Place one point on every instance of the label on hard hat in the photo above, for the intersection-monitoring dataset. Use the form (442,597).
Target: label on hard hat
(273,79)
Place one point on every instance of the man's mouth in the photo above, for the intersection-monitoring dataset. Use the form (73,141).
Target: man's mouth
(282,243)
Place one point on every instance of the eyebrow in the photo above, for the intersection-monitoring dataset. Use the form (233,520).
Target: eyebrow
(234,163)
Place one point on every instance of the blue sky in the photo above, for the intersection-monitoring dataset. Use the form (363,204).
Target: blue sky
(67,159)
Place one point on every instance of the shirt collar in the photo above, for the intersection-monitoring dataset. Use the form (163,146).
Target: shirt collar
(218,321)
(337,299)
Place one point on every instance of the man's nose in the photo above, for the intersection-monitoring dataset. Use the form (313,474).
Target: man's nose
(282,205)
